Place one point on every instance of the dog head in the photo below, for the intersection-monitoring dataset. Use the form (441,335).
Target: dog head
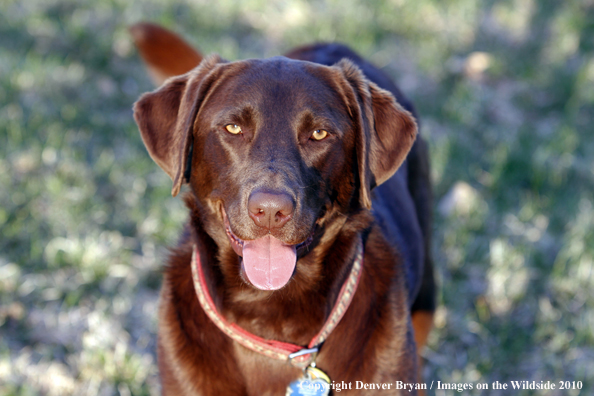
(276,147)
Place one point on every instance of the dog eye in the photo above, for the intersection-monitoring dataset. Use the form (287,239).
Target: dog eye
(319,134)
(233,128)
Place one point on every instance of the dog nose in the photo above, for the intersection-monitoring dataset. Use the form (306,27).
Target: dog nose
(270,210)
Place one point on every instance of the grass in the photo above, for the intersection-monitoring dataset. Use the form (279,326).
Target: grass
(505,90)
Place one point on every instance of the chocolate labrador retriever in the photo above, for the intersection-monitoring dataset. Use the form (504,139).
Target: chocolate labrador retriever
(305,265)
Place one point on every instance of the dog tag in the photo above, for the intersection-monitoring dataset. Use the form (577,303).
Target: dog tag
(315,373)
(314,383)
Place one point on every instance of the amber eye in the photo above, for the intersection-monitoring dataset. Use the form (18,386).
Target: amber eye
(319,134)
(234,129)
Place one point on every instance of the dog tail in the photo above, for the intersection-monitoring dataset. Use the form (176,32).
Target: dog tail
(165,53)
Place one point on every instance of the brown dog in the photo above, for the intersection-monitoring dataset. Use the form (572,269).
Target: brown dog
(293,166)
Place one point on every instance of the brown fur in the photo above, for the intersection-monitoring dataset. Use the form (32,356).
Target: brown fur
(165,53)
(279,102)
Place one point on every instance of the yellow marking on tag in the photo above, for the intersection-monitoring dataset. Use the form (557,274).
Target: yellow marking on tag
(315,373)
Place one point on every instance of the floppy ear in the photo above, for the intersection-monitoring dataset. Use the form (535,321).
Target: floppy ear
(166,117)
(385,130)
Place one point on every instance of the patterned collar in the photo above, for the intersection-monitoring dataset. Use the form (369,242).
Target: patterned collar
(296,354)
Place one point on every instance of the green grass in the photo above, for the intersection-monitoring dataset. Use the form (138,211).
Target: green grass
(505,90)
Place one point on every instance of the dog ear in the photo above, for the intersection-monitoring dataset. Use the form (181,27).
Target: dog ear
(166,118)
(385,134)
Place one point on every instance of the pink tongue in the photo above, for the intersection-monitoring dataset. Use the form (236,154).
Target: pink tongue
(268,263)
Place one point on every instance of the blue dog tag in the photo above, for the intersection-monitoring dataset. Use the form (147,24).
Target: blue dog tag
(308,387)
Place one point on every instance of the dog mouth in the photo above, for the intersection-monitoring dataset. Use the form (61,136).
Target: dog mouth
(267,262)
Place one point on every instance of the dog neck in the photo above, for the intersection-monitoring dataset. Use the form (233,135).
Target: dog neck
(297,355)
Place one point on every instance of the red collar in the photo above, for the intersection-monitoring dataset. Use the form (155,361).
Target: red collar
(296,354)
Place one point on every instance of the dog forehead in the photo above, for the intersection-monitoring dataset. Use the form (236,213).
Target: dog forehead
(279,80)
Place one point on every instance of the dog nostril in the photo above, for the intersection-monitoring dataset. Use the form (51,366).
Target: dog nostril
(270,210)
